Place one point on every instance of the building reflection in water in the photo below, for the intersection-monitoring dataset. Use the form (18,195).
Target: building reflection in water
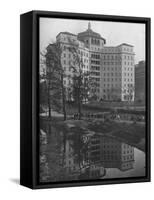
(102,152)
(112,153)
(86,156)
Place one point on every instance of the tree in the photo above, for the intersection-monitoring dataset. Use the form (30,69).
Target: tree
(92,89)
(54,78)
(52,81)
(80,79)
(129,93)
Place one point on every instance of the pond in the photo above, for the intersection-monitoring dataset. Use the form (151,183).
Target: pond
(75,154)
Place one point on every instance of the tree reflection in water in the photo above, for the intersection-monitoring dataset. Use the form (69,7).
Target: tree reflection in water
(78,154)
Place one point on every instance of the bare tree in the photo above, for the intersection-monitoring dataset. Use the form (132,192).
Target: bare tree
(80,78)
(55,76)
(129,93)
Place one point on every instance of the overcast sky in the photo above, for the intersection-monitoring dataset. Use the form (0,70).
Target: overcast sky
(115,33)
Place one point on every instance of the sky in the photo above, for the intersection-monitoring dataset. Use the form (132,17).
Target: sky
(115,33)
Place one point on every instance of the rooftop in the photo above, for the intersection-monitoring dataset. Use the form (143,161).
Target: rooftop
(90,33)
(66,33)
(126,45)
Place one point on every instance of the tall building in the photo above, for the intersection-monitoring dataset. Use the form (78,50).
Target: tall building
(117,72)
(140,81)
(95,43)
(111,68)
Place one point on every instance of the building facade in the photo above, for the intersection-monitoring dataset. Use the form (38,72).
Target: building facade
(140,81)
(111,68)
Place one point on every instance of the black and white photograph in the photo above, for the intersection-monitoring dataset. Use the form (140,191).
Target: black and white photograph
(92,100)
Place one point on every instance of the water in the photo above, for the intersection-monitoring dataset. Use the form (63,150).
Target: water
(75,154)
(137,170)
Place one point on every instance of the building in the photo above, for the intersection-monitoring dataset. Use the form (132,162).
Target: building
(140,81)
(111,68)
(117,72)
(95,43)
(68,40)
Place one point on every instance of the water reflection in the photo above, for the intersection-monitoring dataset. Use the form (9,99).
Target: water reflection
(80,154)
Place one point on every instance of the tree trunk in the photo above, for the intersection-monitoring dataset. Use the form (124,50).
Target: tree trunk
(49,105)
(79,104)
(79,100)
(63,98)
